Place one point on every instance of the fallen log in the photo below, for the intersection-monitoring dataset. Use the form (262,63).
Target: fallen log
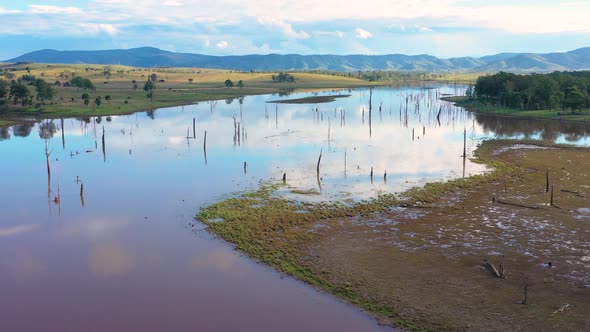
(492,268)
(563,307)
(518,204)
(573,192)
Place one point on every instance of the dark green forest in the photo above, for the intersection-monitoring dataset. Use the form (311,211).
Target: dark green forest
(558,90)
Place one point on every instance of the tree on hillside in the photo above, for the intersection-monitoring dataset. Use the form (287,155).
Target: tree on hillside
(108,98)
(86,102)
(3,88)
(19,92)
(229,83)
(283,77)
(154,77)
(149,87)
(240,84)
(44,90)
(28,78)
(98,101)
(83,83)
(85,96)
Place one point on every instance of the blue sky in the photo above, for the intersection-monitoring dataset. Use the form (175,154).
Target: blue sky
(444,28)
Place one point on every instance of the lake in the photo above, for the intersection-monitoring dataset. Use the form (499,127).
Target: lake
(124,253)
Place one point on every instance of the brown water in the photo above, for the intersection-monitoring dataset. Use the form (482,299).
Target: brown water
(129,257)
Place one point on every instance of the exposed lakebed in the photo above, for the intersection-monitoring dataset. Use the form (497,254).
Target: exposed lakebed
(128,257)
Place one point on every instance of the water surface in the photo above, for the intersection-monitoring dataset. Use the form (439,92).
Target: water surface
(127,255)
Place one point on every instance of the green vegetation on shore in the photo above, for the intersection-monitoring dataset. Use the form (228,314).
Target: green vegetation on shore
(559,95)
(275,230)
(475,105)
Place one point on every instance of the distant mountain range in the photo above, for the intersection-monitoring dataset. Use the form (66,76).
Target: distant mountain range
(152,57)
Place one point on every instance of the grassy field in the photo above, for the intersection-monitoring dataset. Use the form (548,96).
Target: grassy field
(174,86)
(477,106)
(459,78)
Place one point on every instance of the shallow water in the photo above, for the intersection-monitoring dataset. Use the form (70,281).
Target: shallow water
(127,255)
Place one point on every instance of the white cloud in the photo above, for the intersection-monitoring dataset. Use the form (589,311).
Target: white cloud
(285,27)
(222,44)
(423,28)
(173,3)
(52,10)
(336,33)
(4,11)
(96,28)
(363,34)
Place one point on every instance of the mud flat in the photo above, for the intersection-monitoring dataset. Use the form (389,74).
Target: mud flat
(416,260)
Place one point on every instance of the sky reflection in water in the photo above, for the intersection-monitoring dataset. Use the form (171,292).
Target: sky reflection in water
(128,254)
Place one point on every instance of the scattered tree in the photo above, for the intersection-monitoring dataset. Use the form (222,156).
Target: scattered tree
(229,83)
(108,98)
(19,92)
(240,84)
(3,88)
(149,87)
(44,90)
(83,83)
(283,77)
(98,101)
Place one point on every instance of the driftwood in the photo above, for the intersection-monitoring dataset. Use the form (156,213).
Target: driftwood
(562,308)
(518,204)
(492,268)
(573,192)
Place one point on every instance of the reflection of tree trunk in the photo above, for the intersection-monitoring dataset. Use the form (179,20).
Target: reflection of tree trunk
(205,147)
(318,166)
(47,155)
(370,112)
(63,138)
(82,194)
(104,155)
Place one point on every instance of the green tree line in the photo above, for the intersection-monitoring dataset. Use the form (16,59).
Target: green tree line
(558,90)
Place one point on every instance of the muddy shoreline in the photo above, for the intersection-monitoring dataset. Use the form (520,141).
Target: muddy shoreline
(415,261)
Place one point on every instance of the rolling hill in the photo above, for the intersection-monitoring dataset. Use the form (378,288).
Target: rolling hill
(152,57)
